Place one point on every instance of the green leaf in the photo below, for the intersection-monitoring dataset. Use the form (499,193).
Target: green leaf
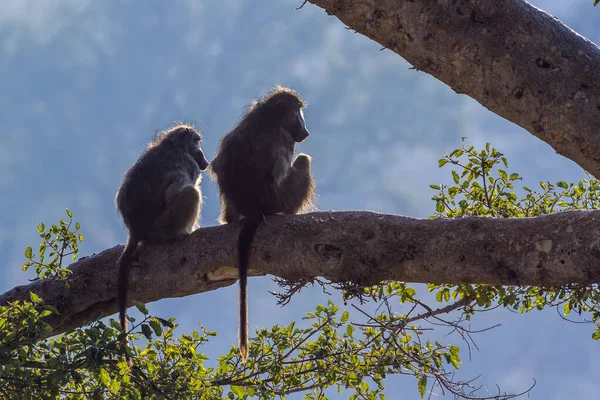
(166,323)
(422,385)
(436,187)
(155,324)
(503,175)
(345,316)
(34,297)
(442,162)
(454,350)
(562,184)
(51,308)
(104,377)
(94,333)
(147,331)
(41,227)
(113,323)
(115,385)
(567,308)
(596,335)
(455,177)
(455,362)
(439,206)
(69,213)
(140,306)
(28,252)
(239,391)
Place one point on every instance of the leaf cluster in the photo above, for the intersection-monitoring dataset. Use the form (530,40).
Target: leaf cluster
(60,242)
(484,187)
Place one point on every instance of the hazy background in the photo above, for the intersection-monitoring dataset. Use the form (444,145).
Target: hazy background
(85,84)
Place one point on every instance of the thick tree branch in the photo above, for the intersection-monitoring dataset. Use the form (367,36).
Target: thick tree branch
(511,57)
(360,247)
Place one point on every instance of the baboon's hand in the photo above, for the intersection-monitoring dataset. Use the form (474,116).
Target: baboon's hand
(302,162)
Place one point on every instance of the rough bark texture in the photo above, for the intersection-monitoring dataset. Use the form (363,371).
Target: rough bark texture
(361,247)
(513,58)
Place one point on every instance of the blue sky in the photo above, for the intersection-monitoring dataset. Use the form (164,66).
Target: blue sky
(85,84)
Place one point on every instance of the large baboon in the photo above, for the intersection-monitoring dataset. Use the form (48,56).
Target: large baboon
(258,176)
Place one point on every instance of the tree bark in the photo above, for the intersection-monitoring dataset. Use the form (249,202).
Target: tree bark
(514,59)
(358,247)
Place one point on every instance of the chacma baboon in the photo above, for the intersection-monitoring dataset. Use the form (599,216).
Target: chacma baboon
(159,198)
(256,176)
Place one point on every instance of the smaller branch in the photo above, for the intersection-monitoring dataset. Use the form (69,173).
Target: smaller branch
(430,313)
(570,320)
(301,5)
(298,389)
(317,329)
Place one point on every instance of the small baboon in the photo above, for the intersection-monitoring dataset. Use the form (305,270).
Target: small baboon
(159,198)
(257,175)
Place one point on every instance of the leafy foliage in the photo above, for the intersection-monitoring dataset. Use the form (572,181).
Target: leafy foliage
(330,350)
(61,242)
(483,188)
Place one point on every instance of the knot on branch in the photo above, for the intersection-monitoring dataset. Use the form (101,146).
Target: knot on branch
(329,252)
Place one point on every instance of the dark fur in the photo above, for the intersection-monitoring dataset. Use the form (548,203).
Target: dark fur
(160,197)
(257,175)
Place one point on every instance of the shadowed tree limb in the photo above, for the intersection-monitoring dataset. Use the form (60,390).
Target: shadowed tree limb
(350,246)
(514,59)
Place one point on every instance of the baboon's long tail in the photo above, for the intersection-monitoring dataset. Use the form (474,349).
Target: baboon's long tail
(247,232)
(124,263)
